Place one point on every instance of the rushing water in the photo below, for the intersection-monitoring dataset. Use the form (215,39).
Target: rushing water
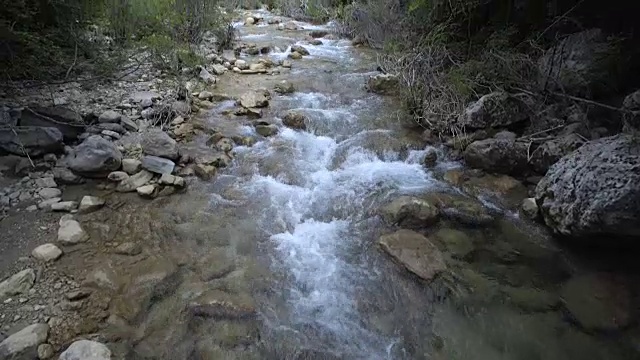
(310,198)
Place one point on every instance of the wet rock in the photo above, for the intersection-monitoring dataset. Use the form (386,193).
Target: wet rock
(456,242)
(551,151)
(47,252)
(109,116)
(49,193)
(300,50)
(430,158)
(295,120)
(315,42)
(284,87)
(205,172)
(286,64)
(266,129)
(291,26)
(128,248)
(598,301)
(117,176)
(159,143)
(45,351)
(24,343)
(86,350)
(411,212)
(94,157)
(494,110)
(295,55)
(581,64)
(70,232)
(64,175)
(318,33)
(214,265)
(530,208)
(531,299)
(224,145)
(171,180)
(385,84)
(131,166)
(19,283)
(35,141)
(90,204)
(415,252)
(249,21)
(218,304)
(498,156)
(461,209)
(148,191)
(254,99)
(67,206)
(593,192)
(158,165)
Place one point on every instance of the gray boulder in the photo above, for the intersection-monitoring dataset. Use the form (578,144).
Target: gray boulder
(594,191)
(159,143)
(19,283)
(254,99)
(551,151)
(67,121)
(109,116)
(410,212)
(158,165)
(501,156)
(495,110)
(581,64)
(24,343)
(35,141)
(94,157)
(415,252)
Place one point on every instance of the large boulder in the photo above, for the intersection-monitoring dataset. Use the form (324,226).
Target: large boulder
(67,121)
(552,150)
(384,84)
(94,157)
(24,343)
(415,252)
(159,143)
(594,191)
(35,141)
(503,156)
(581,64)
(494,110)
(411,212)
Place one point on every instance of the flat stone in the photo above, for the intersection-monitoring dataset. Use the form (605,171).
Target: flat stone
(415,252)
(205,172)
(147,191)
(90,203)
(24,343)
(49,193)
(129,124)
(135,181)
(46,182)
(47,252)
(64,206)
(70,232)
(19,283)
(46,205)
(111,134)
(131,166)
(117,176)
(128,248)
(157,164)
(86,350)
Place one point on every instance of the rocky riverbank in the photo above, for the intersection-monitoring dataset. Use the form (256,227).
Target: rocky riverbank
(252,211)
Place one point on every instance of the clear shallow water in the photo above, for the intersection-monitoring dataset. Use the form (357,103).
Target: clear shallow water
(313,196)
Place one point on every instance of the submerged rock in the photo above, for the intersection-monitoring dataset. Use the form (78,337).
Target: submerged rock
(594,192)
(456,242)
(598,301)
(415,252)
(411,212)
